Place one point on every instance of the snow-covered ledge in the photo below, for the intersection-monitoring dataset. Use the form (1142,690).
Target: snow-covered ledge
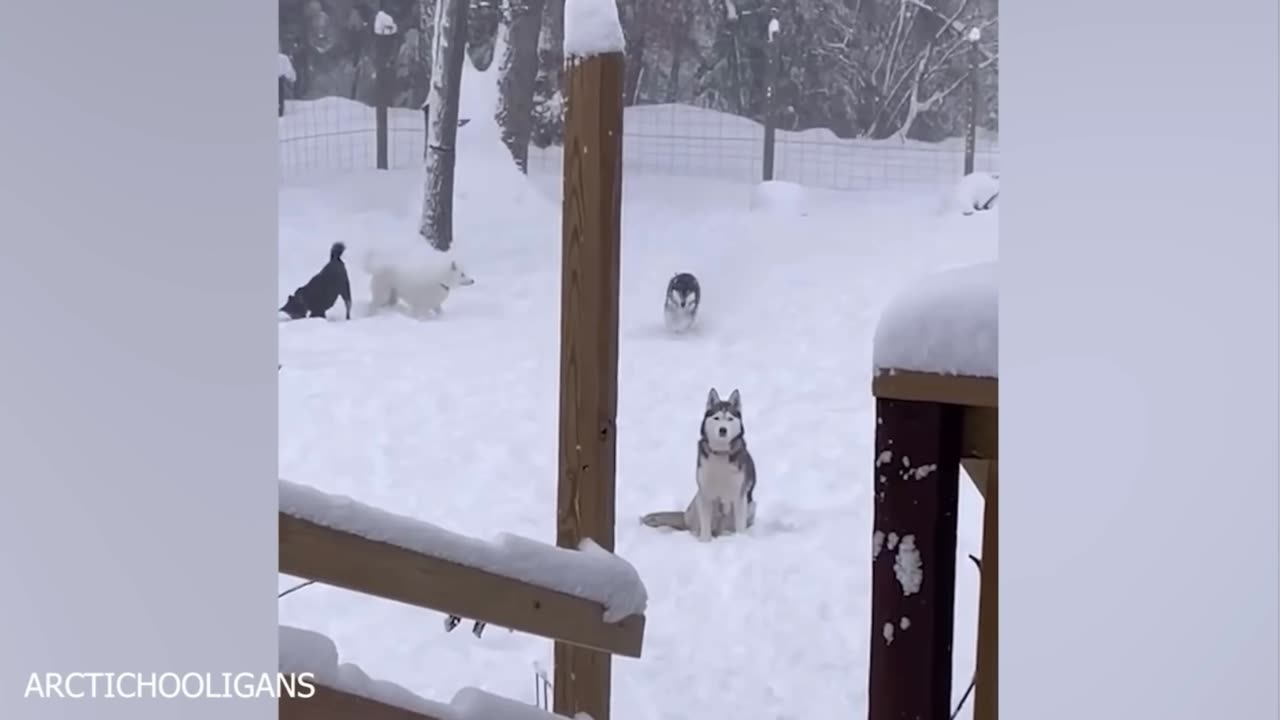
(591,573)
(946,323)
(587,597)
(304,651)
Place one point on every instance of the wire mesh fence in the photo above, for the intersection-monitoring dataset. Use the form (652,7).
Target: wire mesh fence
(737,90)
(340,135)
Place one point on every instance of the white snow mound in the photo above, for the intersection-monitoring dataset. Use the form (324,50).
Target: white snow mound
(779,197)
(945,323)
(591,27)
(384,24)
(976,192)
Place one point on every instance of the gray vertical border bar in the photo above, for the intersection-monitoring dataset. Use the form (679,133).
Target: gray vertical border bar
(1138,359)
(137,393)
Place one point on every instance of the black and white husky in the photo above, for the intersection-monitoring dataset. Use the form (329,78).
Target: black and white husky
(725,500)
(683,297)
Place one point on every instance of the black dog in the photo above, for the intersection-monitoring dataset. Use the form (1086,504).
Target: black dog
(320,293)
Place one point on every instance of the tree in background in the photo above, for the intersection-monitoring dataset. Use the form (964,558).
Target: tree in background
(861,68)
(518,76)
(442,132)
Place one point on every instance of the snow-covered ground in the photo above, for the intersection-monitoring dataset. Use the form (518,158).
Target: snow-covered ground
(453,421)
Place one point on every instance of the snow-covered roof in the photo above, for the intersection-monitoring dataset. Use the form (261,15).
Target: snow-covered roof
(591,572)
(591,27)
(945,323)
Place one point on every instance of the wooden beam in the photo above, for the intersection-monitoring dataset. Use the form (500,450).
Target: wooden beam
(913,568)
(330,704)
(933,387)
(986,698)
(334,557)
(981,444)
(592,226)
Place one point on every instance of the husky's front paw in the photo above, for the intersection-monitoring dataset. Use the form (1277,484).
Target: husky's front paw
(706,522)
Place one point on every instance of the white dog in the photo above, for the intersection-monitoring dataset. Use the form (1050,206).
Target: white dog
(421,283)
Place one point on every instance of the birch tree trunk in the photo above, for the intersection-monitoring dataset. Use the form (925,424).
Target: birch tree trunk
(446,83)
(517,77)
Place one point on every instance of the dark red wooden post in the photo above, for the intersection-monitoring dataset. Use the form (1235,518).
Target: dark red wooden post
(917,471)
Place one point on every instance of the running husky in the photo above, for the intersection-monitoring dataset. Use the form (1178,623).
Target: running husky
(683,297)
(725,500)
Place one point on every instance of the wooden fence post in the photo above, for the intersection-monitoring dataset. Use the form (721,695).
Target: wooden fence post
(772,61)
(971,132)
(384,47)
(591,226)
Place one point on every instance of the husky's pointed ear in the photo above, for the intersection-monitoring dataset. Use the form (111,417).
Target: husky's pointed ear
(735,401)
(713,398)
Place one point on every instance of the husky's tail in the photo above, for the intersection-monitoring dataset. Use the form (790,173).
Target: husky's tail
(673,519)
(336,250)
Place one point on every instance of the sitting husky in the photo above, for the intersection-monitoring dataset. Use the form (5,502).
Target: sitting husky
(683,296)
(726,476)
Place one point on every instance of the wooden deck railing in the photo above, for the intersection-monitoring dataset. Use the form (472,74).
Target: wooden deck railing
(928,427)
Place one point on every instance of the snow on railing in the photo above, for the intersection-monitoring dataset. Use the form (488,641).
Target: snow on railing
(586,597)
(346,686)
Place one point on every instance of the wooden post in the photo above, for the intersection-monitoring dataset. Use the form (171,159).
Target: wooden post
(592,214)
(916,481)
(986,699)
(384,47)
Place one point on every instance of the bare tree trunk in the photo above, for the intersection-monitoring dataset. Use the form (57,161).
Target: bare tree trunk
(553,51)
(426,33)
(517,77)
(484,22)
(634,32)
(673,81)
(446,84)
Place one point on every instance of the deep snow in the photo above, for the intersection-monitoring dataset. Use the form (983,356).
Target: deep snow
(453,421)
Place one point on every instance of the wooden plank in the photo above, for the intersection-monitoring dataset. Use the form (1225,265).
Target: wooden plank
(981,433)
(932,387)
(592,226)
(913,569)
(986,698)
(330,704)
(315,552)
